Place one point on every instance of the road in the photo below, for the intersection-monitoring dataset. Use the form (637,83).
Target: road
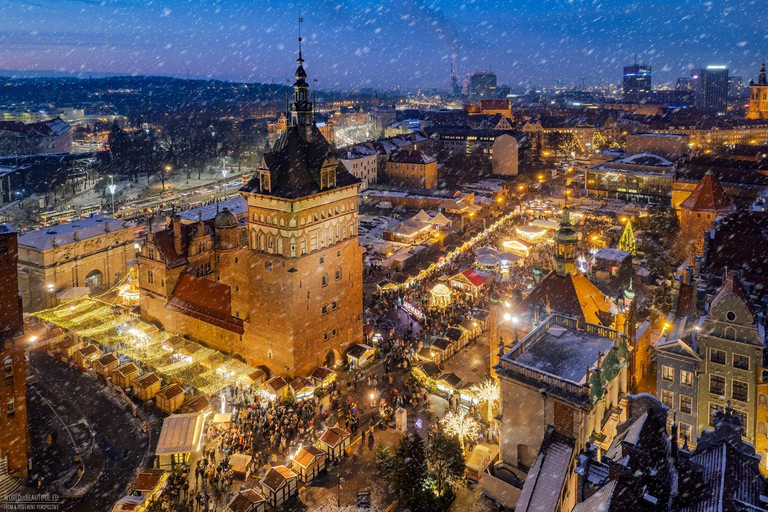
(81,412)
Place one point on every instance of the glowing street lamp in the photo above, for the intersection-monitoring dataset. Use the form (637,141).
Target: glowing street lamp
(112,188)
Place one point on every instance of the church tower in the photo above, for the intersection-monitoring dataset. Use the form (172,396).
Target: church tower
(566,244)
(758,96)
(305,263)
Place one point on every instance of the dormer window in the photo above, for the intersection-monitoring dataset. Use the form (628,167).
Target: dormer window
(264,181)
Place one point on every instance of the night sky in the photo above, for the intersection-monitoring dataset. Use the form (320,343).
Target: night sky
(384,44)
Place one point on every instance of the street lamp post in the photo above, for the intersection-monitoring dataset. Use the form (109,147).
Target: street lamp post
(112,187)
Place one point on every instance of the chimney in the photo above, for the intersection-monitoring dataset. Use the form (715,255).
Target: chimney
(176,221)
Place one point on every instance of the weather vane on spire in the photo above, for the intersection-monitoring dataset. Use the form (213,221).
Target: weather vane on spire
(298,8)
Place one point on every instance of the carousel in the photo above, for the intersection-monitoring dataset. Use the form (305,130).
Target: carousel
(440,296)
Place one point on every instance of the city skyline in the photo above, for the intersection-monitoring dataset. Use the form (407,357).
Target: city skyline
(385,46)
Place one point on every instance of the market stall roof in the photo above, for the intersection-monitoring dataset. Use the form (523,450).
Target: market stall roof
(275,384)
(322,373)
(129,504)
(333,436)
(180,434)
(239,462)
(451,379)
(357,351)
(430,369)
(441,344)
(245,500)
(148,479)
(307,456)
(195,404)
(73,293)
(222,417)
(277,477)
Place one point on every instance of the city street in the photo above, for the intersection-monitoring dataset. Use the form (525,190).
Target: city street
(86,419)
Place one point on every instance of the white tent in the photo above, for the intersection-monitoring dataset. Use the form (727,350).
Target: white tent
(73,293)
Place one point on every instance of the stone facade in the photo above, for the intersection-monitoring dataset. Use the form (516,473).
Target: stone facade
(90,252)
(283,288)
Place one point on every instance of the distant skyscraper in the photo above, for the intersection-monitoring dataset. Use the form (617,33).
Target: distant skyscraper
(637,82)
(482,85)
(710,85)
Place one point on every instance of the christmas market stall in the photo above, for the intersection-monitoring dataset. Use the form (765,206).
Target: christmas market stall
(323,377)
(146,387)
(279,485)
(334,441)
(180,437)
(125,374)
(274,388)
(247,500)
(170,398)
(240,464)
(302,388)
(308,462)
(86,355)
(360,355)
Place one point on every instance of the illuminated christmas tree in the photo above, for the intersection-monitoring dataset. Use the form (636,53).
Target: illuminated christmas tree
(627,241)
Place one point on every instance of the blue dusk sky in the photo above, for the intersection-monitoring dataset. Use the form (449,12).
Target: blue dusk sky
(385,44)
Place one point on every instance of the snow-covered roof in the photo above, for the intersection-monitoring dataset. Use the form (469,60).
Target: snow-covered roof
(646,159)
(237,205)
(65,234)
(561,351)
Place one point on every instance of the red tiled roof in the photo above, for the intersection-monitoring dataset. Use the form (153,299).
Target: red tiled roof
(473,277)
(494,104)
(571,295)
(207,301)
(708,196)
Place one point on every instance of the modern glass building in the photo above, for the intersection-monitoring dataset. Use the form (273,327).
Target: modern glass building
(641,178)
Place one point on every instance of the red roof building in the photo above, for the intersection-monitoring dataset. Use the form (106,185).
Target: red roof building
(707,202)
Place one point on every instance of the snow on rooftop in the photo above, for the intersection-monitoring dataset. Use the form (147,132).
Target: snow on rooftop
(64,234)
(563,352)
(237,205)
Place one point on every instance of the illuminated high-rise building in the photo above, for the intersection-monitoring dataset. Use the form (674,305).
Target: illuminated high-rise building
(637,82)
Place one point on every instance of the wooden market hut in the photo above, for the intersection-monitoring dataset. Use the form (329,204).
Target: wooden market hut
(86,355)
(441,349)
(334,442)
(179,439)
(170,398)
(323,377)
(458,336)
(146,387)
(247,500)
(426,372)
(302,388)
(468,281)
(105,364)
(279,485)
(276,387)
(125,374)
(68,345)
(199,403)
(360,355)
(448,384)
(240,464)
(308,463)
(150,483)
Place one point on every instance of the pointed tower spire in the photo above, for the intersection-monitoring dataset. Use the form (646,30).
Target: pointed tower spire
(566,242)
(301,108)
